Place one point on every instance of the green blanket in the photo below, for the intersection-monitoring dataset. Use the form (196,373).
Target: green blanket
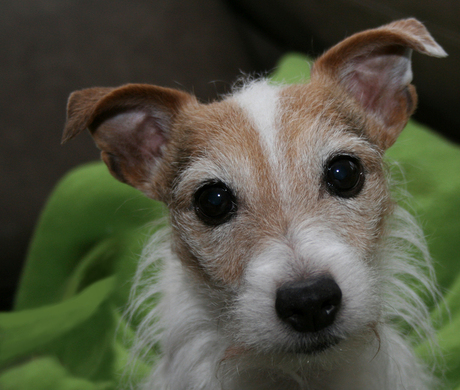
(65,331)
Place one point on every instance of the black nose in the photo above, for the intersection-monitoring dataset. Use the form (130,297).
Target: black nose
(309,305)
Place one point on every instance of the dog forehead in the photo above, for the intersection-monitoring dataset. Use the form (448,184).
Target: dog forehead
(260,102)
(265,130)
(269,144)
(292,120)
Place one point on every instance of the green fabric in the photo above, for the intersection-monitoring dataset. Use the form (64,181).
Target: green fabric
(65,332)
(75,284)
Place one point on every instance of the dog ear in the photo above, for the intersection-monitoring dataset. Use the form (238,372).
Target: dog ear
(374,67)
(132,126)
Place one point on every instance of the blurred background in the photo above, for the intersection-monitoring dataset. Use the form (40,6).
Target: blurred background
(49,48)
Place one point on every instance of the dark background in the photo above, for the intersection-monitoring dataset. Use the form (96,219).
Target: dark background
(48,48)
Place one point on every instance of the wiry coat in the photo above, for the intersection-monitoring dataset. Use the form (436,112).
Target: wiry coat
(271,148)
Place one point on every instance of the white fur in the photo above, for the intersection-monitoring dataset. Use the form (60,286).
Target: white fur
(193,340)
(260,101)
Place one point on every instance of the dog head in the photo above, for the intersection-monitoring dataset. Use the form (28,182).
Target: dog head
(277,194)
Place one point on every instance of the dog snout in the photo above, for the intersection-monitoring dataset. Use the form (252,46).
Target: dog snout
(309,305)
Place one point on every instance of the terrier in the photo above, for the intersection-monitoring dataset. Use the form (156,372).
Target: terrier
(286,263)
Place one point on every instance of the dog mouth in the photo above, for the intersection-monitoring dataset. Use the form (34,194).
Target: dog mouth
(300,347)
(313,345)
(307,347)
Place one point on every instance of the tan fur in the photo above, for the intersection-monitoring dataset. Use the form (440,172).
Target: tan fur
(390,40)
(96,108)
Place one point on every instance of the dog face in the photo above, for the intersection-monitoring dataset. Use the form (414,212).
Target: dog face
(276,206)
(277,194)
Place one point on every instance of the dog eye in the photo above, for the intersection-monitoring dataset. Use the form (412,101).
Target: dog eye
(214,203)
(344,176)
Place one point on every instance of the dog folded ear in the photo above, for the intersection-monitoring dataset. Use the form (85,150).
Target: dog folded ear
(374,67)
(131,125)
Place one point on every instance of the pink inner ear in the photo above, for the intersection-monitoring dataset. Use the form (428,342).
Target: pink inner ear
(132,143)
(148,134)
(377,79)
(134,135)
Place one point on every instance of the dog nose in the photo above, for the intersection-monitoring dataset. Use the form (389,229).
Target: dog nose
(309,305)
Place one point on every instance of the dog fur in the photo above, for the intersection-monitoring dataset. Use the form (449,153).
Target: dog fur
(270,146)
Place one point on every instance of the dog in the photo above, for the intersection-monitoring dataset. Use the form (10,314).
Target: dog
(287,263)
